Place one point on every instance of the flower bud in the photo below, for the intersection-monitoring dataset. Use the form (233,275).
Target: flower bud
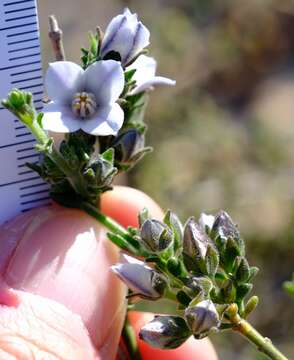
(129,148)
(20,104)
(126,36)
(103,169)
(225,228)
(195,245)
(165,332)
(202,318)
(155,235)
(140,278)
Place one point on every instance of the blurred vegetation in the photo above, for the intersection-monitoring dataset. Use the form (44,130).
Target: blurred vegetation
(224,137)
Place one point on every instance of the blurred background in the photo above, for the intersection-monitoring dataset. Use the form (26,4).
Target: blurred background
(224,136)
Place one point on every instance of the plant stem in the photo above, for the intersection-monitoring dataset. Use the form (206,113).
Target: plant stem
(109,223)
(243,327)
(74,177)
(130,340)
(55,34)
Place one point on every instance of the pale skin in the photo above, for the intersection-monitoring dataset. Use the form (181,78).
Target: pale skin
(59,298)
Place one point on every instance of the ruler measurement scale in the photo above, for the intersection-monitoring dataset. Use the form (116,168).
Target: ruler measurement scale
(20,67)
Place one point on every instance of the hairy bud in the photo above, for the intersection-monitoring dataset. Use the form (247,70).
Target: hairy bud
(165,332)
(155,235)
(202,318)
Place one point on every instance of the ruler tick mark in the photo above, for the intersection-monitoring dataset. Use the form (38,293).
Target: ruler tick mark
(22,49)
(19,65)
(21,17)
(23,33)
(26,72)
(19,10)
(30,86)
(17,26)
(24,56)
(28,156)
(17,2)
(27,79)
(33,185)
(35,200)
(22,41)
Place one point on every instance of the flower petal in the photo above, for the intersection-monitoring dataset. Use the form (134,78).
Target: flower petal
(105,79)
(107,121)
(144,76)
(137,277)
(141,38)
(127,259)
(63,79)
(145,67)
(59,118)
(156,81)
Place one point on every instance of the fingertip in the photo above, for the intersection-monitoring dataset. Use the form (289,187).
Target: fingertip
(124,203)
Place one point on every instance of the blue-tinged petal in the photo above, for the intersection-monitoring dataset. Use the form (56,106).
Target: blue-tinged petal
(141,38)
(144,76)
(105,79)
(113,32)
(156,81)
(60,119)
(145,67)
(107,121)
(63,79)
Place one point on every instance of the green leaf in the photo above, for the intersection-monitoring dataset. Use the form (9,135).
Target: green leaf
(228,292)
(39,119)
(183,298)
(143,215)
(119,241)
(211,260)
(243,290)
(174,223)
(129,74)
(250,306)
(230,254)
(108,155)
(243,272)
(174,266)
(253,272)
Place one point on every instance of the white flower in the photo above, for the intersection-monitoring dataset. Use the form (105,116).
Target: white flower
(84,99)
(140,278)
(145,77)
(125,35)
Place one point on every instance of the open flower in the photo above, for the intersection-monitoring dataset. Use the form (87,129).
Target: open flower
(84,99)
(125,35)
(145,77)
(140,278)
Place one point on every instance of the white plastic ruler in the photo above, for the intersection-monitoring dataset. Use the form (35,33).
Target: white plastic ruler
(20,67)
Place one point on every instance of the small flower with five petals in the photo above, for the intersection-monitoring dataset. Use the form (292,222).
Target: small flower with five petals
(84,99)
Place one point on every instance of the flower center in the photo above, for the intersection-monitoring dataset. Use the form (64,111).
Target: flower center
(84,105)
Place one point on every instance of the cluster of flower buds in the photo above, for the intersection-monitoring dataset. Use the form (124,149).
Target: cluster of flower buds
(99,107)
(201,265)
